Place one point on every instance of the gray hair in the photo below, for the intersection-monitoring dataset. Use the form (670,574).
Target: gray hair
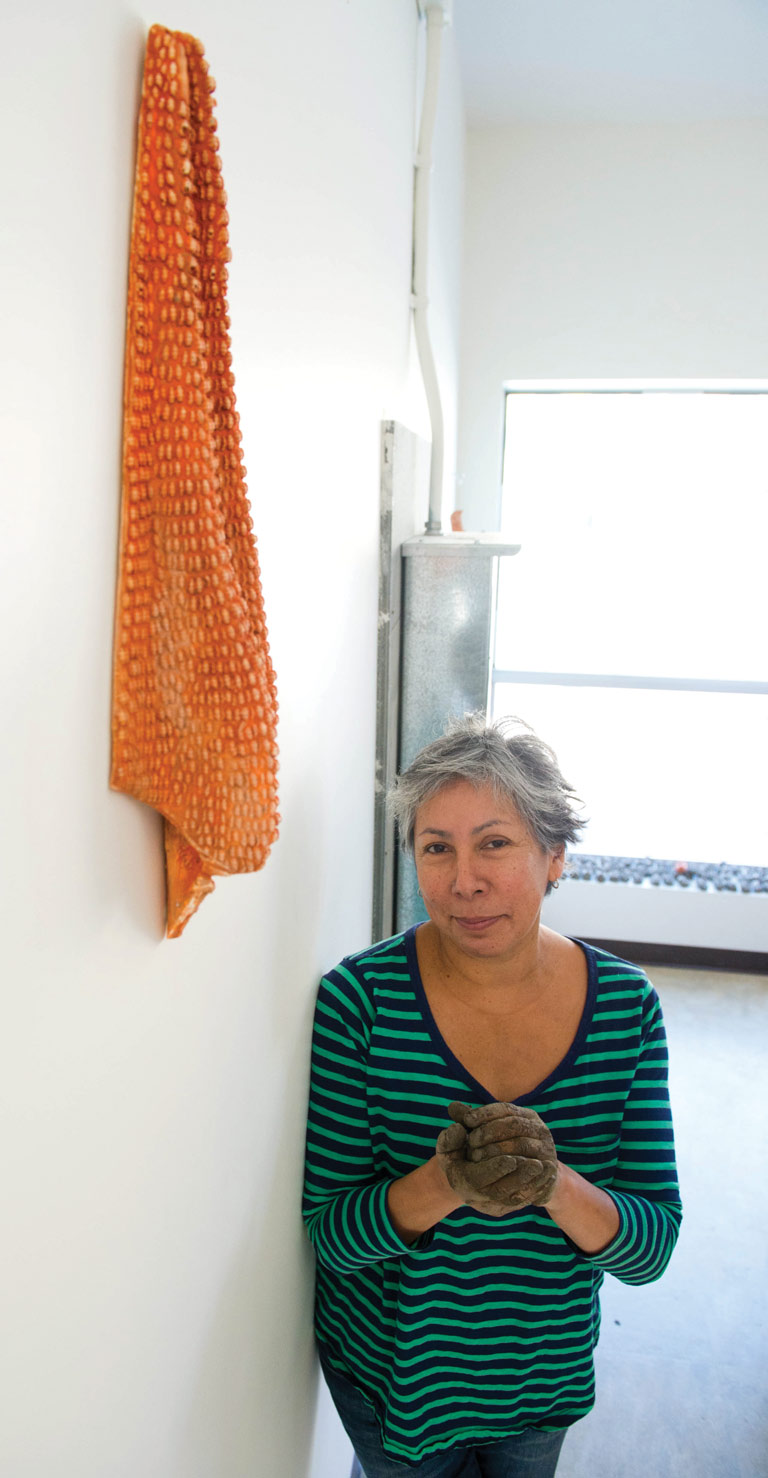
(508,757)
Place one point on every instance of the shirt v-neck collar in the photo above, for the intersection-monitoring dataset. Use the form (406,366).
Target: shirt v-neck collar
(455,1063)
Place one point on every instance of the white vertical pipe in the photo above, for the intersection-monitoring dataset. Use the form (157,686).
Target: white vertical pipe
(436,19)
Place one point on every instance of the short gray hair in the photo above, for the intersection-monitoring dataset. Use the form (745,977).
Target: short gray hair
(508,757)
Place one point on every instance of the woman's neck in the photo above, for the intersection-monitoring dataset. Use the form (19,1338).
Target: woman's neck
(522,974)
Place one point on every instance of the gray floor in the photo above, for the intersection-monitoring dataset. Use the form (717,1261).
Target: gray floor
(682,1364)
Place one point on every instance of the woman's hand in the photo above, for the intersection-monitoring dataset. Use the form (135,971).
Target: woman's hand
(473,1181)
(511,1140)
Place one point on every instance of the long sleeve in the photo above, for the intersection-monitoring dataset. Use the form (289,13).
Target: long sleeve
(345,1201)
(645,1186)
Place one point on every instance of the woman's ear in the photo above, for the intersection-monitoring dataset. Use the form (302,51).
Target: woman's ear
(557,863)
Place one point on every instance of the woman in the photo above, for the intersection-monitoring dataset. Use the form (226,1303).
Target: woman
(489,1133)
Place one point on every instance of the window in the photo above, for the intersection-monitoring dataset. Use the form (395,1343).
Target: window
(631,625)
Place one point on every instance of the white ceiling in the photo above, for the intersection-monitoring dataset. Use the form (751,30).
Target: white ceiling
(612,60)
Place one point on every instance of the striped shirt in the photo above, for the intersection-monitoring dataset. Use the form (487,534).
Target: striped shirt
(484,1326)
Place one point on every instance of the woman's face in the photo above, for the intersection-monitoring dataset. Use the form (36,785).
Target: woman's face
(481,873)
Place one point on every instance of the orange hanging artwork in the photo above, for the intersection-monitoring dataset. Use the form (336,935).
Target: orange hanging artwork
(194,708)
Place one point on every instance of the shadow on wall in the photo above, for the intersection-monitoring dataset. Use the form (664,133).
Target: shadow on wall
(259,1360)
(135,865)
(259,1363)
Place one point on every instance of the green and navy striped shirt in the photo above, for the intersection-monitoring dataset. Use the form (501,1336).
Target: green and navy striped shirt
(484,1326)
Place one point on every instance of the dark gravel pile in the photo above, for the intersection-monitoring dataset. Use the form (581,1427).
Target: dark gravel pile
(721,877)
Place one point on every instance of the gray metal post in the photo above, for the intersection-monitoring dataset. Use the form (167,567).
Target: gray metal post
(449,587)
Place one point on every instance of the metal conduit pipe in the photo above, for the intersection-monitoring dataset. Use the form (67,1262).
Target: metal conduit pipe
(436,20)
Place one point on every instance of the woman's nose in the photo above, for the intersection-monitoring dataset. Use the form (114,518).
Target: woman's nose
(467,878)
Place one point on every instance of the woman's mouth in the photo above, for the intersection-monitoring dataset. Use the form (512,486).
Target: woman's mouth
(474,926)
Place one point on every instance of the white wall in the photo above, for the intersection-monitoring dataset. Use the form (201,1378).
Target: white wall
(602,251)
(606,251)
(156,1304)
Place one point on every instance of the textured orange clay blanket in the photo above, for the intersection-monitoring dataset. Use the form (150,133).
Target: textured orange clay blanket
(194,707)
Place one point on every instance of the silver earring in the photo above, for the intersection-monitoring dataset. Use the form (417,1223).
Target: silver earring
(556,883)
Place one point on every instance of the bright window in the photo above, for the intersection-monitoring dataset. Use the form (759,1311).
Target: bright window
(631,628)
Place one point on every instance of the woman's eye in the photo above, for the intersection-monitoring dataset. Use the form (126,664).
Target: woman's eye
(495,843)
(434,849)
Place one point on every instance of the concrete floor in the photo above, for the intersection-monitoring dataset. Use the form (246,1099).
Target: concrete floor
(682,1364)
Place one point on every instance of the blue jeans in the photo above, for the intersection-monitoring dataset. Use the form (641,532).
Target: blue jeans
(531,1454)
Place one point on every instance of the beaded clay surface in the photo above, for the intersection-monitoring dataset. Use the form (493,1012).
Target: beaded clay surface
(194,706)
